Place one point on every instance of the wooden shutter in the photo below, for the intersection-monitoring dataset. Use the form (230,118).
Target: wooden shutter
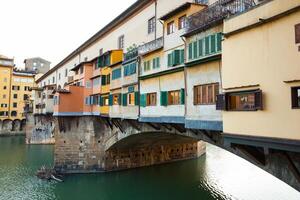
(297,33)
(103,80)
(110,100)
(258,100)
(170,60)
(176,57)
(101,101)
(190,51)
(136,98)
(219,41)
(181,56)
(158,62)
(119,99)
(195,50)
(213,44)
(143,100)
(206,45)
(295,97)
(200,47)
(221,102)
(182,96)
(124,99)
(163,98)
(154,63)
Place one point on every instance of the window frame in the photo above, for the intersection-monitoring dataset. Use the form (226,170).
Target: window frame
(151,25)
(149,99)
(131,97)
(172,100)
(121,42)
(170,27)
(199,99)
(182,23)
(294,98)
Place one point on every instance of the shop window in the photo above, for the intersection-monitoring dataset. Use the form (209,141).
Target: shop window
(206,94)
(296,97)
(151,99)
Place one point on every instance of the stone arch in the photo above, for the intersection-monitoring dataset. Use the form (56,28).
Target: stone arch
(23,125)
(7,125)
(16,125)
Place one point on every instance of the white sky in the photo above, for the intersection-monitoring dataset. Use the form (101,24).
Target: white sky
(52,29)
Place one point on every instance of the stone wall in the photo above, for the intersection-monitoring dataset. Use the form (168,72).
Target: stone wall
(12,127)
(81,147)
(40,129)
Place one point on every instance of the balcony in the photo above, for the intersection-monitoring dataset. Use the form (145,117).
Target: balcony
(70,79)
(130,55)
(151,46)
(215,14)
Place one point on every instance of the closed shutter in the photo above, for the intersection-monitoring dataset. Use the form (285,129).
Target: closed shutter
(136,98)
(176,57)
(143,100)
(158,62)
(98,63)
(182,97)
(195,50)
(103,80)
(119,99)
(219,42)
(190,51)
(124,100)
(258,100)
(101,101)
(213,44)
(221,102)
(163,98)
(206,40)
(110,100)
(154,63)
(200,47)
(182,56)
(170,62)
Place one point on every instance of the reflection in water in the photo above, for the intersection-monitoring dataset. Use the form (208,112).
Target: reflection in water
(217,175)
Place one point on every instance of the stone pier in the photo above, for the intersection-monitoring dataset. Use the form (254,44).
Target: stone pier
(84,145)
(40,129)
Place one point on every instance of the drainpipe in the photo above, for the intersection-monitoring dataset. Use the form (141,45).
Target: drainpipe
(155,33)
(185,78)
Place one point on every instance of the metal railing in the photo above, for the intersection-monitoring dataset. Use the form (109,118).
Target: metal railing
(151,46)
(216,13)
(130,55)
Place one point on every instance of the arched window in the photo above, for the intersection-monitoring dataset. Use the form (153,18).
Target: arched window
(13,113)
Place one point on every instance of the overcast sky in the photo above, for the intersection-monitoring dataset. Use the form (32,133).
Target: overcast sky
(52,29)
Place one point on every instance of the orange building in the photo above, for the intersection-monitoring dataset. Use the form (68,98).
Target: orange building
(75,99)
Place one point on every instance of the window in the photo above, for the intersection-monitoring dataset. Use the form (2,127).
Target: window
(88,84)
(147,66)
(4,87)
(176,58)
(105,79)
(297,33)
(3,105)
(15,105)
(296,97)
(182,22)
(174,97)
(121,42)
(15,87)
(240,101)
(25,97)
(59,76)
(131,99)
(151,25)
(4,96)
(101,52)
(206,94)
(116,74)
(13,113)
(201,1)
(130,69)
(15,96)
(34,64)
(81,70)
(96,82)
(66,72)
(26,88)
(156,63)
(3,113)
(53,79)
(170,28)
(151,99)
(116,99)
(105,101)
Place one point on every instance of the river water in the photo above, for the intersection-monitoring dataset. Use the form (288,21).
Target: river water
(217,175)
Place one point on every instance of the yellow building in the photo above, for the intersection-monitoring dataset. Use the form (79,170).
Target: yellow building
(104,62)
(15,90)
(261,73)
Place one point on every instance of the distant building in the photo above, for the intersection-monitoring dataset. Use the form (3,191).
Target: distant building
(15,90)
(38,65)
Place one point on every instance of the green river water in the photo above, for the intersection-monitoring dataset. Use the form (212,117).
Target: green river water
(217,175)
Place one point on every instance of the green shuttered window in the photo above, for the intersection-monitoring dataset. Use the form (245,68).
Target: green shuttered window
(143,100)
(124,99)
(163,98)
(130,69)
(116,74)
(176,58)
(204,47)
